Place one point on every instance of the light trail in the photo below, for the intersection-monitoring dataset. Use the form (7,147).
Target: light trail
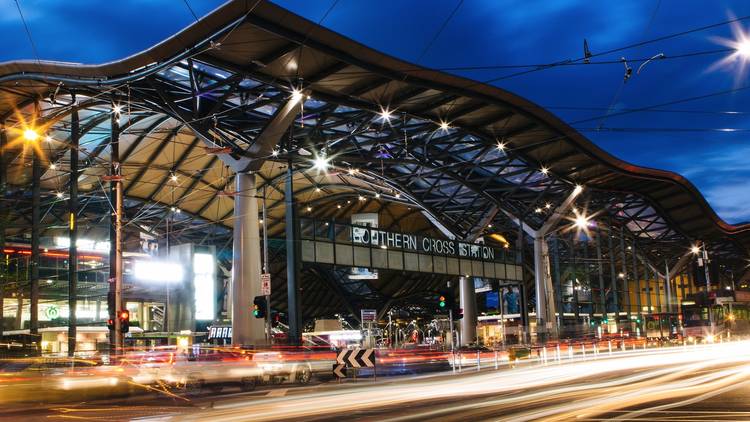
(636,378)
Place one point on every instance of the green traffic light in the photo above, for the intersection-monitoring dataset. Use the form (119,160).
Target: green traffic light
(442,304)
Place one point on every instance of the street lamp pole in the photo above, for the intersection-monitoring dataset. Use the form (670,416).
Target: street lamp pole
(707,272)
(703,260)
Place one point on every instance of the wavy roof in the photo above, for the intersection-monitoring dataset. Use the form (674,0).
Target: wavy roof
(249,60)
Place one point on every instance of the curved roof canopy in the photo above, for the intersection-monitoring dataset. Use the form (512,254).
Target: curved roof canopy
(409,140)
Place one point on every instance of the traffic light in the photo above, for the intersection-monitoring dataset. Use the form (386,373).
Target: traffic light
(259,307)
(458,313)
(124,317)
(111,324)
(442,301)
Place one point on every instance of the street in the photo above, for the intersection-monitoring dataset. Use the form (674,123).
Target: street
(703,382)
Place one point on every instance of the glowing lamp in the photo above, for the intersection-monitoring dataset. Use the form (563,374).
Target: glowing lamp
(30,135)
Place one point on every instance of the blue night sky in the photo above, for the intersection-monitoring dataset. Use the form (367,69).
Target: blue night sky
(692,137)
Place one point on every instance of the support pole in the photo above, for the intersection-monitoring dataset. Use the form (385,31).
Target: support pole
(115,238)
(269,333)
(73,234)
(545,305)
(246,329)
(3,217)
(468,304)
(292,256)
(36,175)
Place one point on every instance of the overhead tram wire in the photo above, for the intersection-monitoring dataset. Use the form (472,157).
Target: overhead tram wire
(629,70)
(579,61)
(668,103)
(28,32)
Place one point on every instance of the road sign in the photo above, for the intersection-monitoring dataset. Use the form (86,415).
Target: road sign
(339,370)
(369,315)
(265,284)
(357,358)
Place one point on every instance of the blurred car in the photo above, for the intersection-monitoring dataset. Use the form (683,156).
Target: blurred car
(41,380)
(210,368)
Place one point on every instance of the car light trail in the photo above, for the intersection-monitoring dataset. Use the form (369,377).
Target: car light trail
(661,374)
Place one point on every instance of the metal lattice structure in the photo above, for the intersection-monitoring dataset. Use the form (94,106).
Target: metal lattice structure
(430,152)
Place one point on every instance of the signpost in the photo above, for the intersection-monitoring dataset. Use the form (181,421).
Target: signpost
(369,318)
(356,359)
(265,284)
(369,315)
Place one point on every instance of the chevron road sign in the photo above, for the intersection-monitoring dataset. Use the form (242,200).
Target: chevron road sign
(339,370)
(358,358)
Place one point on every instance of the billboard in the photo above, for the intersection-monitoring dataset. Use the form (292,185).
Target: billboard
(362,235)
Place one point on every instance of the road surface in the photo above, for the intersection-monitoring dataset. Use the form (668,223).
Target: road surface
(696,383)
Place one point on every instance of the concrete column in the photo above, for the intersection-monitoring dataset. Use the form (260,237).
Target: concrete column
(468,302)
(545,303)
(246,329)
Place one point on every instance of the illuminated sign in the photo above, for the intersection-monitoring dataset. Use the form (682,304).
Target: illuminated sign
(204,280)
(447,247)
(151,270)
(82,244)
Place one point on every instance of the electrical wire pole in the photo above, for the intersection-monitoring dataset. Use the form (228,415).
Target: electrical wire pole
(115,251)
(450,320)
(269,336)
(707,272)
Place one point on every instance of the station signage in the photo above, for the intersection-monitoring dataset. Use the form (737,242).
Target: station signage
(420,244)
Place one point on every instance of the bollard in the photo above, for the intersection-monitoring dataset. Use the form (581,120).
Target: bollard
(454,361)
(583,351)
(460,358)
(645,342)
(557,353)
(609,343)
(634,346)
(596,351)
(479,361)
(495,359)
(623,346)
(570,352)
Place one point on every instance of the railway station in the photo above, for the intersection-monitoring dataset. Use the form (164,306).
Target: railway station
(256,162)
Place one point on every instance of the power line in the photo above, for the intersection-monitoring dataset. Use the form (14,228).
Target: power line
(28,31)
(618,49)
(668,103)
(440,31)
(191,10)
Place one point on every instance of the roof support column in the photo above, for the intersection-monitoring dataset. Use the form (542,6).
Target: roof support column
(468,302)
(546,325)
(73,233)
(36,175)
(246,268)
(3,217)
(292,258)
(246,265)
